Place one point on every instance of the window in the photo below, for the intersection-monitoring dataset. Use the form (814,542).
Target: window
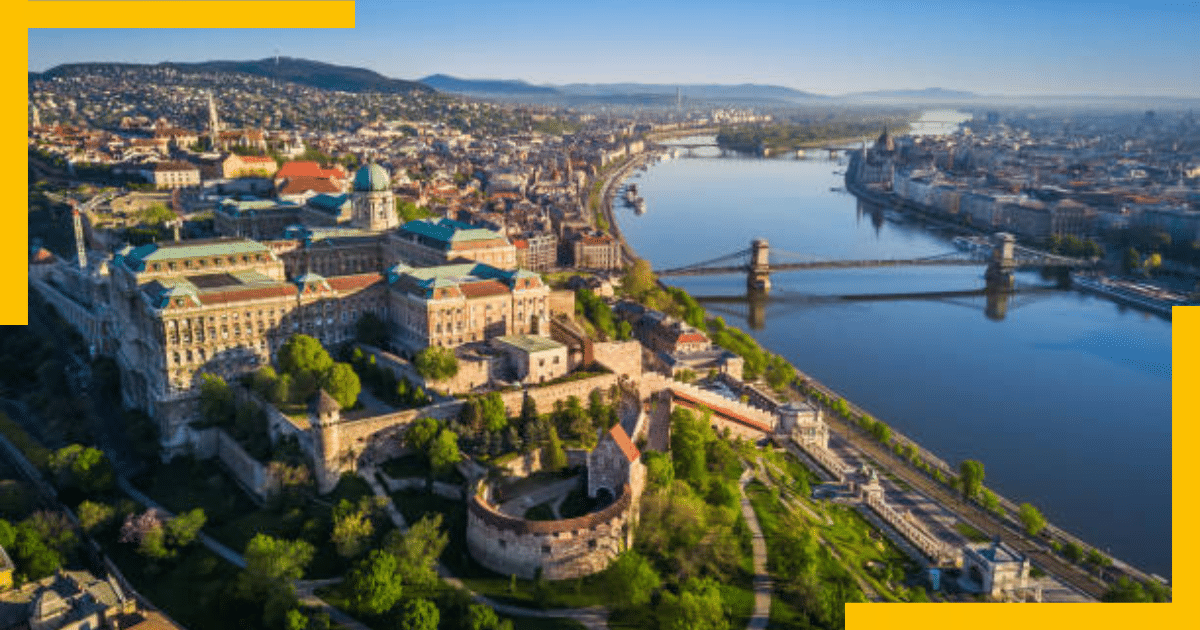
(546,549)
(592,544)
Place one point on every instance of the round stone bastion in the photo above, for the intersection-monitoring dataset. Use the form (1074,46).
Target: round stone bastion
(562,549)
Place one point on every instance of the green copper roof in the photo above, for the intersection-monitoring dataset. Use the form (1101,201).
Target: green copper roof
(372,178)
(449,231)
(529,343)
(197,249)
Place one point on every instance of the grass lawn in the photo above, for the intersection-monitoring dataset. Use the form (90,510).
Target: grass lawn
(187,483)
(971,533)
(410,465)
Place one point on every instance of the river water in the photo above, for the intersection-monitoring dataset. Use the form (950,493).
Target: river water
(1065,397)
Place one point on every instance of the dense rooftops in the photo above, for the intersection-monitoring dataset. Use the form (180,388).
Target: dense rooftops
(465,279)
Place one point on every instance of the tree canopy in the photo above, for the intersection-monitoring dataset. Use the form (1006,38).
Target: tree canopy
(436,363)
(1031,518)
(302,353)
(342,384)
(374,584)
(971,473)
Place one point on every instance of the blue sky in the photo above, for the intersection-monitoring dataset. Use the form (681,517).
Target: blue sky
(829,47)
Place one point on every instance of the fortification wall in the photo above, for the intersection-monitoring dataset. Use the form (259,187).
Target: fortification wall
(252,474)
(546,395)
(561,549)
(622,357)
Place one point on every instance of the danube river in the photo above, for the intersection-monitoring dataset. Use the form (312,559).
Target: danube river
(1065,397)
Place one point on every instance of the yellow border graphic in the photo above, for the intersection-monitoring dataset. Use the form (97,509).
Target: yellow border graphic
(340,14)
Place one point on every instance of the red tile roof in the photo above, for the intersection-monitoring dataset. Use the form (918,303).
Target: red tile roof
(308,169)
(228,297)
(261,159)
(622,439)
(303,183)
(356,281)
(484,289)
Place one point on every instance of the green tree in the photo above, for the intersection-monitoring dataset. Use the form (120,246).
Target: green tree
(1126,590)
(375,584)
(93,516)
(443,452)
(417,550)
(632,580)
(156,215)
(342,383)
(989,500)
(1132,261)
(697,607)
(1073,552)
(971,473)
(263,382)
(272,564)
(660,472)
(554,457)
(639,279)
(420,614)
(182,530)
(302,353)
(529,411)
(352,529)
(83,467)
(436,363)
(495,419)
(421,433)
(216,399)
(1031,519)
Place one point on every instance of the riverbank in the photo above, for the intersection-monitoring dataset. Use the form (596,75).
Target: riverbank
(691,238)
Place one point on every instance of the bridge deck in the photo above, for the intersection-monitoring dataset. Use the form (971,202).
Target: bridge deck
(855,264)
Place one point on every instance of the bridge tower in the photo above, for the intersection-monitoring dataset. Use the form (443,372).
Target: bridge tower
(758,276)
(999,273)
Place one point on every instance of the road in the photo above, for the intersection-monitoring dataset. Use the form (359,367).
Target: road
(762,578)
(981,520)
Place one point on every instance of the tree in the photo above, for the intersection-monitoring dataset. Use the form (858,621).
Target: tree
(93,516)
(436,363)
(352,529)
(495,419)
(263,382)
(632,579)
(156,215)
(375,584)
(1126,590)
(417,550)
(421,433)
(554,457)
(697,607)
(1031,519)
(1132,261)
(182,530)
(639,278)
(272,564)
(971,473)
(216,399)
(420,614)
(146,531)
(342,384)
(443,452)
(529,411)
(83,467)
(989,500)
(302,353)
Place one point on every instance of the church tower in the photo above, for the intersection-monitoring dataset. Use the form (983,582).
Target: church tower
(214,123)
(373,205)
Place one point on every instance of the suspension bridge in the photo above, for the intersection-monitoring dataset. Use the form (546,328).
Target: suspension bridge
(759,261)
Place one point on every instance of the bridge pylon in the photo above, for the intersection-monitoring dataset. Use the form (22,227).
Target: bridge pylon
(758,276)
(999,275)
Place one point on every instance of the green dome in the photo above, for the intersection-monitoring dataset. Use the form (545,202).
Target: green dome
(372,178)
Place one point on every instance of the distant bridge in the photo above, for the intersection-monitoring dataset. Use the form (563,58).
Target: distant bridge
(758,262)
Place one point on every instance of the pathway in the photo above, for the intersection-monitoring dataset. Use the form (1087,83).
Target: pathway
(224,552)
(762,579)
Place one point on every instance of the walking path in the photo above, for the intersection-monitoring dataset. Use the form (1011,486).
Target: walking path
(224,552)
(551,492)
(762,579)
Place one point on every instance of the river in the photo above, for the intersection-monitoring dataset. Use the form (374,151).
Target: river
(1065,397)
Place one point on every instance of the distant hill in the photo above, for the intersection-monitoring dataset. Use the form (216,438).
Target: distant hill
(446,83)
(927,94)
(742,91)
(315,74)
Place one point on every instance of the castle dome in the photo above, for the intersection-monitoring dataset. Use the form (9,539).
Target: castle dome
(372,178)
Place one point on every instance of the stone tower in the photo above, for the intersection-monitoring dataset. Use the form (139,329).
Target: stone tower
(373,204)
(758,279)
(80,251)
(325,416)
(214,123)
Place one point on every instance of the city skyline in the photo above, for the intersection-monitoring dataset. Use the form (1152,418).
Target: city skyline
(1058,48)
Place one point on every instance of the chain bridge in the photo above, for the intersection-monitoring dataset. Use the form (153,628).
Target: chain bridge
(759,261)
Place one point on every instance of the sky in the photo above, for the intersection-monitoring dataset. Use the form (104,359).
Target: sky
(833,47)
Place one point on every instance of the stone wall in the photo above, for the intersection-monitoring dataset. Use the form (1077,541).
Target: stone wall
(622,357)
(546,395)
(741,419)
(250,473)
(561,549)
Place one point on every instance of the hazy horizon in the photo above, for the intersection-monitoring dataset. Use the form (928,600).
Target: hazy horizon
(1062,48)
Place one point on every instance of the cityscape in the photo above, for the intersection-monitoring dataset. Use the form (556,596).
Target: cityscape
(316,344)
